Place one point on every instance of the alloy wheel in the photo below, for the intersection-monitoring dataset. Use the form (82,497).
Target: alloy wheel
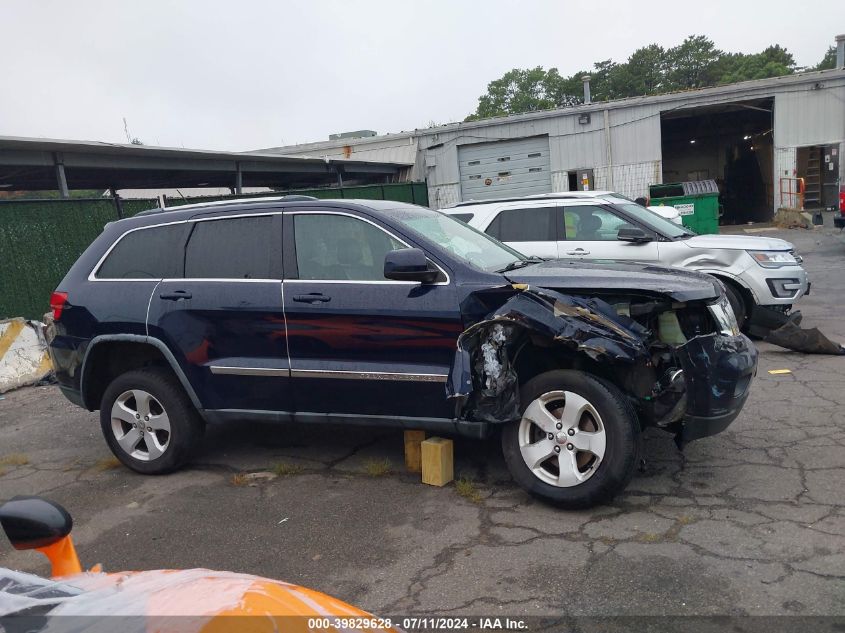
(562,438)
(140,425)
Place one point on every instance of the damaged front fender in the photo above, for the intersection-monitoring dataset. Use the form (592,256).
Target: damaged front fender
(483,380)
(693,387)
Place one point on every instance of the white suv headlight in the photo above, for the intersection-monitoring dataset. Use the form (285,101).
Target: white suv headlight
(724,316)
(773,259)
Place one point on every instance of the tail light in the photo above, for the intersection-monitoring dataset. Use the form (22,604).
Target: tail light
(842,200)
(57,304)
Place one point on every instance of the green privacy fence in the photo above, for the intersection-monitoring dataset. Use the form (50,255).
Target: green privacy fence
(40,239)
(412,192)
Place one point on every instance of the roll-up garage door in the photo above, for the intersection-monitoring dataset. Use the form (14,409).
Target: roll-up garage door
(505,168)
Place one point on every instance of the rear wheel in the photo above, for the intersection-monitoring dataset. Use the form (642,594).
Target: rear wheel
(578,442)
(149,423)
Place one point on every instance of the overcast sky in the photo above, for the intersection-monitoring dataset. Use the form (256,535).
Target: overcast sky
(248,74)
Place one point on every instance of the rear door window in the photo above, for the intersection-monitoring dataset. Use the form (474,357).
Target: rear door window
(152,253)
(232,248)
(524,225)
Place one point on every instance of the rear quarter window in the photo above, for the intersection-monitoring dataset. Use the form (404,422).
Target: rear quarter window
(152,253)
(524,225)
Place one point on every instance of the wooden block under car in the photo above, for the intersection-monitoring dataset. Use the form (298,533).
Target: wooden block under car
(413,452)
(437,461)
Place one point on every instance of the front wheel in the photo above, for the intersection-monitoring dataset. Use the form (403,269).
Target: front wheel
(148,421)
(578,442)
(737,304)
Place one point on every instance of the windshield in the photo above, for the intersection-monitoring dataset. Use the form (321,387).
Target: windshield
(475,248)
(654,221)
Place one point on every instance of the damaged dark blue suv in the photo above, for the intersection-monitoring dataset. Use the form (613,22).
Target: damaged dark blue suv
(390,314)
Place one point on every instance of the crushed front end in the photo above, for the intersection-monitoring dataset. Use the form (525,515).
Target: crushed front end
(683,366)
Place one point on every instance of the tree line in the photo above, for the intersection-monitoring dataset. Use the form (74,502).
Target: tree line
(650,70)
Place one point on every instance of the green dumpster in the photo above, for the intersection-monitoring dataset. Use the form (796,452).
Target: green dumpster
(697,202)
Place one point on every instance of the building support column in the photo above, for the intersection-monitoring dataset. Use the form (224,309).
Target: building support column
(608,147)
(118,203)
(58,161)
(239,179)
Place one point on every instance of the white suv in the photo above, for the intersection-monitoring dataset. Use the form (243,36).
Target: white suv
(762,276)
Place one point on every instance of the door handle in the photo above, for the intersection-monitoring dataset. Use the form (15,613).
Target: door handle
(578,251)
(176,295)
(314,297)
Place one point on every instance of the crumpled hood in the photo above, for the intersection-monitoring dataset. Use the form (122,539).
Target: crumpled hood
(739,242)
(574,276)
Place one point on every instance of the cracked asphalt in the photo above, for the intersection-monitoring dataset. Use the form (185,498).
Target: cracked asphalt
(750,522)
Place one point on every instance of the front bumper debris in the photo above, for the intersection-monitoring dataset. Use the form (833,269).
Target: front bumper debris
(718,371)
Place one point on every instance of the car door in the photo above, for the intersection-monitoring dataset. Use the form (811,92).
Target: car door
(590,232)
(529,229)
(361,345)
(223,318)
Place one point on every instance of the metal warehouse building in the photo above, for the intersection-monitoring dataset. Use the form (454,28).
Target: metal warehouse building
(753,138)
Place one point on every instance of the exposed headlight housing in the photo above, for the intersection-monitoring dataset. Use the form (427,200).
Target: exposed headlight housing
(724,316)
(773,259)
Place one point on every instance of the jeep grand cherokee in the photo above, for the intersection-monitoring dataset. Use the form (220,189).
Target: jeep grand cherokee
(382,313)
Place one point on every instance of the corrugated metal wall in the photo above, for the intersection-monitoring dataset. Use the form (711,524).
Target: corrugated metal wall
(810,117)
(635,151)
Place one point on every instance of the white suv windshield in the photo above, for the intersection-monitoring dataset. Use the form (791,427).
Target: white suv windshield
(474,247)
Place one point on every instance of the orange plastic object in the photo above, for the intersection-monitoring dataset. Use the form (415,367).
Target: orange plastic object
(215,602)
(63,558)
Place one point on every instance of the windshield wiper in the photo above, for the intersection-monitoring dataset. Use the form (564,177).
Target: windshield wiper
(520,263)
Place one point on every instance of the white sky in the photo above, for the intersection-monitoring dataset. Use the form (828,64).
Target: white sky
(248,74)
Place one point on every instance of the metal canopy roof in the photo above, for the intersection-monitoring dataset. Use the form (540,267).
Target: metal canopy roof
(43,164)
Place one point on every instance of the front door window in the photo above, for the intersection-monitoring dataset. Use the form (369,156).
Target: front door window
(340,247)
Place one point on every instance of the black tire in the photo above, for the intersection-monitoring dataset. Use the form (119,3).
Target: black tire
(622,441)
(185,425)
(737,303)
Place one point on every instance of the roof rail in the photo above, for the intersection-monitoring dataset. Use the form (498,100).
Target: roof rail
(562,195)
(219,203)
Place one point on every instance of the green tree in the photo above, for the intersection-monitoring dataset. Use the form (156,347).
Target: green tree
(646,71)
(695,63)
(774,61)
(689,64)
(607,81)
(521,90)
(828,62)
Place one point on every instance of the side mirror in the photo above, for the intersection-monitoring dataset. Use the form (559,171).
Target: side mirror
(633,234)
(36,523)
(408,264)
(33,522)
